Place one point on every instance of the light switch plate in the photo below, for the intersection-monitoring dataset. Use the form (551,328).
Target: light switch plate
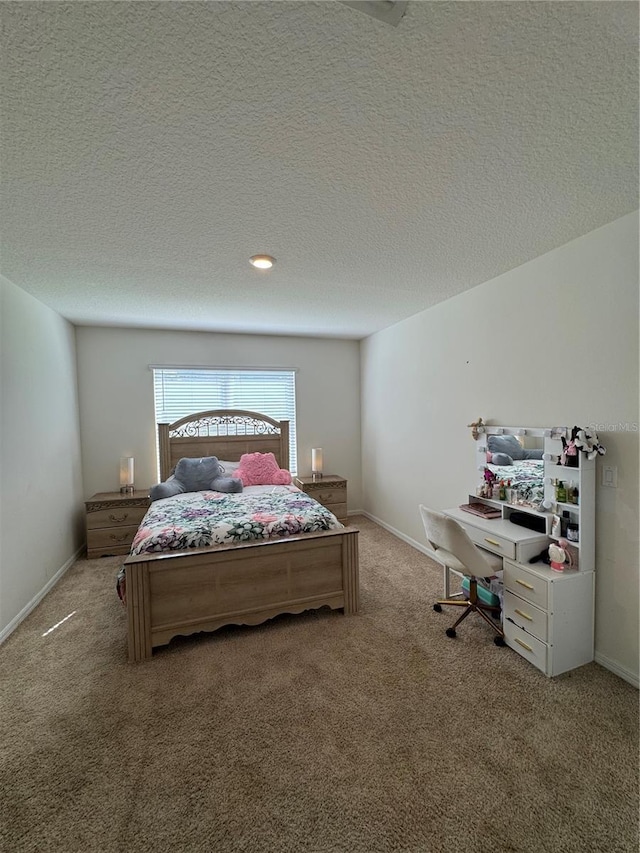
(610,476)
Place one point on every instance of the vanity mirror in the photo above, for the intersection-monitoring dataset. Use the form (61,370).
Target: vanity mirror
(510,462)
(534,481)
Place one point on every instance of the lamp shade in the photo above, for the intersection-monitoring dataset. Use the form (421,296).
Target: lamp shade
(316,460)
(126,471)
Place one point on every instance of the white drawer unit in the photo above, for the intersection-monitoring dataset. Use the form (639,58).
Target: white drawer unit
(521,581)
(525,615)
(548,616)
(500,535)
(492,542)
(530,647)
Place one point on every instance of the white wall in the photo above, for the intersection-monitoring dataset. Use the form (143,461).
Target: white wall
(41,518)
(553,342)
(116,395)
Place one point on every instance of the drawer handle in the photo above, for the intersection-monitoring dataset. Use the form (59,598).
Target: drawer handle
(525,585)
(118,538)
(118,518)
(493,542)
(524,645)
(524,615)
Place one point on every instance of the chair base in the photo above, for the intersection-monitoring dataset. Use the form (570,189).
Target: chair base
(472,605)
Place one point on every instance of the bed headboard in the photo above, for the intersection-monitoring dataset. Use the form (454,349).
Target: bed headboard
(225,433)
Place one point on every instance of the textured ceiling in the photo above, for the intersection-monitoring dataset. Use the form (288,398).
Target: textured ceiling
(148,149)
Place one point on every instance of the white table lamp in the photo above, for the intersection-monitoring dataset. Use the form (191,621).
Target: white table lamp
(316,462)
(126,475)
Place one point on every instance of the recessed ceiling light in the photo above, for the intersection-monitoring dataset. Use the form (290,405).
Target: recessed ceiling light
(262,262)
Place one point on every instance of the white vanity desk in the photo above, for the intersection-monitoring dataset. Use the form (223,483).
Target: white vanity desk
(548,616)
(501,536)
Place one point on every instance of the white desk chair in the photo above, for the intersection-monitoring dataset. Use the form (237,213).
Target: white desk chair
(452,547)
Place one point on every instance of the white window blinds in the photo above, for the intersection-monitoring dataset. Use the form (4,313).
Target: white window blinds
(183,391)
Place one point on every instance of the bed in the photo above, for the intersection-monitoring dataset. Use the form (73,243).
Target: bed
(526,476)
(520,467)
(195,589)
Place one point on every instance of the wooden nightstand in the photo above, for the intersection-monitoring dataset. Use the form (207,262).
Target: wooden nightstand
(112,522)
(329,490)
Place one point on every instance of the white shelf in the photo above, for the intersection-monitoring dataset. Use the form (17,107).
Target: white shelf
(581,476)
(557,539)
(500,504)
(530,509)
(561,472)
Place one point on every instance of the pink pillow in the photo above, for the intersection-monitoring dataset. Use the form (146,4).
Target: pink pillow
(489,456)
(261,469)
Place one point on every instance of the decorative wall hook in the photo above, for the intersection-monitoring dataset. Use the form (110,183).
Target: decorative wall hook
(477,428)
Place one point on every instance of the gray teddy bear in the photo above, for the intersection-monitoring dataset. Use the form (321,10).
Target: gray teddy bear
(196,475)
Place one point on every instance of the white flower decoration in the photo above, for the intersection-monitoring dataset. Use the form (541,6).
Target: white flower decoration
(587,441)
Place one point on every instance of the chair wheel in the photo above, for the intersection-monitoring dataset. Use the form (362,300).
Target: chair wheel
(437,608)
(499,641)
(450,632)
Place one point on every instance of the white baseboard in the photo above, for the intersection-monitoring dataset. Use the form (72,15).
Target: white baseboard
(621,671)
(603,660)
(26,610)
(414,544)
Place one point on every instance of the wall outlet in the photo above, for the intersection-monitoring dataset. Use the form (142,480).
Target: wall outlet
(610,476)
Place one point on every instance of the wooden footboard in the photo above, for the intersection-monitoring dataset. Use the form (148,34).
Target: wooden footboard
(182,593)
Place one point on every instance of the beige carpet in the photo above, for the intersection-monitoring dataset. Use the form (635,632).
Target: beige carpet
(318,732)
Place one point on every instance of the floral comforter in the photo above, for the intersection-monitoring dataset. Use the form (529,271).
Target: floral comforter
(526,475)
(198,519)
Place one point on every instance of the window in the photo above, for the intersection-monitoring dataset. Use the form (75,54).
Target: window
(184,391)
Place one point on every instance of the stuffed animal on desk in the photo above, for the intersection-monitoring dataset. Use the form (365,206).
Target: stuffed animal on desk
(559,556)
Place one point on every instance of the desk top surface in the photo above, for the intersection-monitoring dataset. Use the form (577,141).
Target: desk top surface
(498,526)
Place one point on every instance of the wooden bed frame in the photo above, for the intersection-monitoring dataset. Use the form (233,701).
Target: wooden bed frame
(201,589)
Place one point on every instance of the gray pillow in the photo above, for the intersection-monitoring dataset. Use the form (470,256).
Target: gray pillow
(508,444)
(196,475)
(167,489)
(227,484)
(532,454)
(501,459)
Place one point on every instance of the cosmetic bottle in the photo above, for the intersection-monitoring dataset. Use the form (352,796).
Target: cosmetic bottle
(561,492)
